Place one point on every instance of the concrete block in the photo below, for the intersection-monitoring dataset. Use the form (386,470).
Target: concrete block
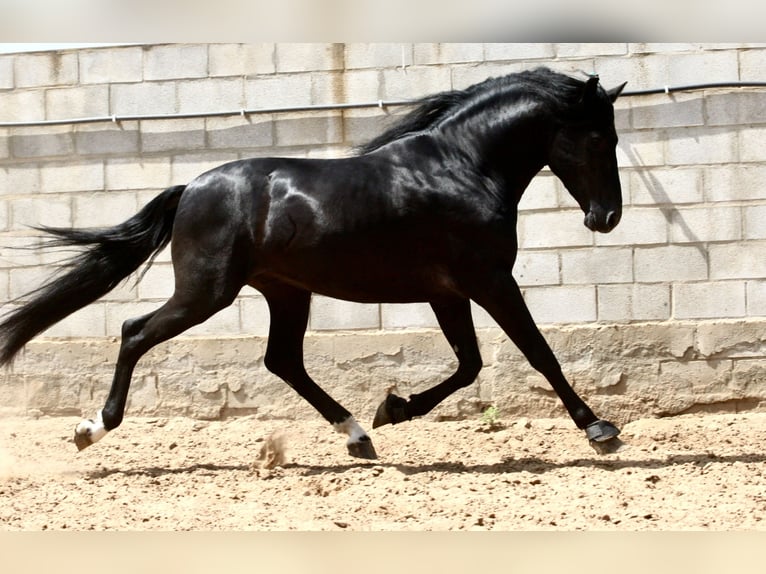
(4,219)
(641,149)
(555,229)
(89,321)
(666,186)
(709,300)
(308,129)
(700,146)
(536,268)
(541,193)
(558,305)
(362,86)
(754,222)
(333,314)
(143,98)
(172,135)
(624,303)
(217,95)
(309,57)
(638,226)
(596,266)
(118,139)
(77,102)
(103,209)
(329,88)
(377,55)
(705,377)
(719,66)
(24,280)
(186,167)
(45,69)
(752,143)
(730,339)
(240,134)
(756,298)
(22,105)
(670,263)
(175,61)
(414,82)
(278,91)
(254,316)
(742,260)
(751,65)
(361,126)
(33,142)
(111,65)
(241,59)
(19,178)
(413,315)
(224,323)
(5,146)
(735,108)
(518,51)
(41,210)
(702,224)
(6,72)
(470,74)
(148,173)
(735,183)
(676,110)
(447,53)
(158,284)
(72,176)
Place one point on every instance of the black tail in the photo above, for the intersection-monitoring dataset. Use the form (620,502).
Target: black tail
(108,256)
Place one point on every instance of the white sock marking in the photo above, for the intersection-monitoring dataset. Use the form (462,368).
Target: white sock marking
(93,429)
(352,428)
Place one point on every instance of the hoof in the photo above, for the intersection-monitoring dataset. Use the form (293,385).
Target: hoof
(391,411)
(82,440)
(611,446)
(89,431)
(362,449)
(601,431)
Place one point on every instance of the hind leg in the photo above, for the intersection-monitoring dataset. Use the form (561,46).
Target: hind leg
(289,308)
(187,307)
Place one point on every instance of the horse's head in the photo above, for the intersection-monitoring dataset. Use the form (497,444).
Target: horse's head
(583,156)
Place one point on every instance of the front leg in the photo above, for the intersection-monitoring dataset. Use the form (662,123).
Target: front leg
(455,319)
(500,295)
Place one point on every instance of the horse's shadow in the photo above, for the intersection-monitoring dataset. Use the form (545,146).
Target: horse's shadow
(509,465)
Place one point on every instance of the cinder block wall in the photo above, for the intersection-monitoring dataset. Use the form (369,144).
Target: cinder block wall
(684,273)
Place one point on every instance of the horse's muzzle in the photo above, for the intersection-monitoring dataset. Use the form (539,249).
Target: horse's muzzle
(602,221)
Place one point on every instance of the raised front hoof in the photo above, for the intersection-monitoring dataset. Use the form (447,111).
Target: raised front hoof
(362,449)
(82,440)
(391,411)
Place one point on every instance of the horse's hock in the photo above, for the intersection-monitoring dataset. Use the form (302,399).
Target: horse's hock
(627,371)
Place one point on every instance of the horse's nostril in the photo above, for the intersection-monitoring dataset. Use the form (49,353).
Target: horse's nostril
(612,219)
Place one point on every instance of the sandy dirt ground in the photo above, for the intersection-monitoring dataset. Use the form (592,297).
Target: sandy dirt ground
(694,472)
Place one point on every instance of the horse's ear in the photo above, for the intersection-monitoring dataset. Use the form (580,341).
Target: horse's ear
(590,90)
(615,92)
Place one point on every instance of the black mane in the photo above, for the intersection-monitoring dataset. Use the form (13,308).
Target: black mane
(559,91)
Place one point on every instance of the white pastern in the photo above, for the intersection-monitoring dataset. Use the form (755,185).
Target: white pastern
(352,428)
(93,429)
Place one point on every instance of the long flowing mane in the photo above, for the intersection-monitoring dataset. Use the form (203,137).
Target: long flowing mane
(559,91)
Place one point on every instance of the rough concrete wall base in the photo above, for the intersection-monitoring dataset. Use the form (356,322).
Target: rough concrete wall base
(623,371)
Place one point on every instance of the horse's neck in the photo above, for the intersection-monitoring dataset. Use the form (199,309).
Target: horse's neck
(510,144)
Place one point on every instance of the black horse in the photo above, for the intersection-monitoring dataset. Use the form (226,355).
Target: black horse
(425,212)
